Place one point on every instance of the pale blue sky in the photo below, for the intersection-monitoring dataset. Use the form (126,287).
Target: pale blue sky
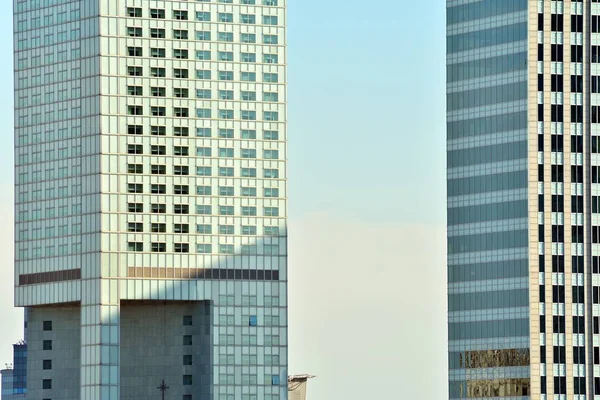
(366,109)
(367,197)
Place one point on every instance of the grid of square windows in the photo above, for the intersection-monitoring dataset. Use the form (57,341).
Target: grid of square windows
(259,102)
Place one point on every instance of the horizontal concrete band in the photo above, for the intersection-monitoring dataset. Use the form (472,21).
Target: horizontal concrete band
(200,273)
(53,276)
(157,273)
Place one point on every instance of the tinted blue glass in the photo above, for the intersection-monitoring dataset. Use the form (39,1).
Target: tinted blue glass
(487,96)
(483,9)
(487,125)
(487,241)
(488,329)
(485,38)
(488,271)
(487,154)
(20,368)
(487,67)
(488,300)
(487,183)
(487,212)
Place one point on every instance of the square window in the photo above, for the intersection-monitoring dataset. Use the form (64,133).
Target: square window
(203,35)
(248,19)
(135,130)
(253,321)
(134,71)
(248,134)
(181,228)
(204,248)
(157,33)
(187,359)
(158,208)
(187,340)
(203,55)
(47,384)
(135,246)
(202,16)
(181,131)
(158,72)
(47,325)
(158,227)
(180,73)
(157,13)
(159,247)
(134,12)
(226,249)
(47,364)
(187,320)
(47,345)
(180,14)
(181,151)
(249,172)
(181,248)
(134,31)
(275,380)
(226,229)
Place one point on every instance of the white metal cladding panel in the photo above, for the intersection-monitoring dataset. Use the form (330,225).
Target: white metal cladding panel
(49,293)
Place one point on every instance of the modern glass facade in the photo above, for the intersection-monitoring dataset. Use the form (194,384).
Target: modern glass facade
(150,148)
(488,244)
(20,368)
(14,380)
(7,384)
(523,203)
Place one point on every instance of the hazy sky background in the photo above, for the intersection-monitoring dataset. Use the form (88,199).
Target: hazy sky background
(367,197)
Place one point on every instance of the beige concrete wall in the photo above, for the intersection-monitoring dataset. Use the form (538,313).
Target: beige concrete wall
(548,188)
(533,198)
(298,391)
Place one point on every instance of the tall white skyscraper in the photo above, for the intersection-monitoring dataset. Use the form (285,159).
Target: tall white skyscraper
(151,237)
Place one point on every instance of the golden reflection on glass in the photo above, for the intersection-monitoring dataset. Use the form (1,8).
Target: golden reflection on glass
(496,388)
(494,358)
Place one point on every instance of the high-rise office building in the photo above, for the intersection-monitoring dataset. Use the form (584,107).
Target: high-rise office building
(151,237)
(14,377)
(8,390)
(20,369)
(523,116)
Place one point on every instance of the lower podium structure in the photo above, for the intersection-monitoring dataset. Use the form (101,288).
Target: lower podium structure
(163,345)
(150,349)
(166,348)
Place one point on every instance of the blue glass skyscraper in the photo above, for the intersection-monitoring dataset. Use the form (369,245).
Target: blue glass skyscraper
(513,180)
(14,379)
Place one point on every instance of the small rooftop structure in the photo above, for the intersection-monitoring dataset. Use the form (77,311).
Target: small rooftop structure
(297,386)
